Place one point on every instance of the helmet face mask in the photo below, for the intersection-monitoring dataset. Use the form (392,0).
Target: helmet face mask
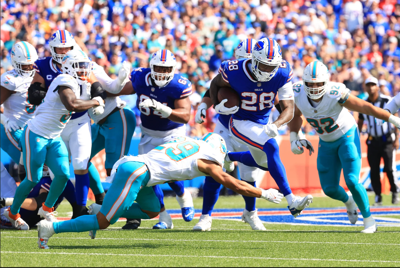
(315,78)
(77,64)
(266,58)
(23,56)
(162,66)
(61,39)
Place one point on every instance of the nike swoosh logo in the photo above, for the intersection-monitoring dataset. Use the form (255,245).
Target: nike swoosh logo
(110,128)
(349,136)
(187,215)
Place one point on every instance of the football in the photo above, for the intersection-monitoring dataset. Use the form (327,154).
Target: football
(231,95)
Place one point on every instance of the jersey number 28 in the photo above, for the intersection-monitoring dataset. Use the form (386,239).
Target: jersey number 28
(253,102)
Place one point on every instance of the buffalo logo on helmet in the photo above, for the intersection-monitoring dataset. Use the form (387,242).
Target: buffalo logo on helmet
(240,45)
(259,46)
(53,36)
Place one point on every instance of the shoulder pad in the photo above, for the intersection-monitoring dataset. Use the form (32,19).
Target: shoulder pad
(336,90)
(8,80)
(66,80)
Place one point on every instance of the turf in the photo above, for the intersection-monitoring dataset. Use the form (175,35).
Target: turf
(230,243)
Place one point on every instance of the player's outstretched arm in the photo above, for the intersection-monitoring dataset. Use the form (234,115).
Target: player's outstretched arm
(215,171)
(355,104)
(73,104)
(201,112)
(126,90)
(393,105)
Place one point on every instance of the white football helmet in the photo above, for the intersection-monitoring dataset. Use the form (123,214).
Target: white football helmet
(266,51)
(315,72)
(163,58)
(218,143)
(23,53)
(78,65)
(61,38)
(245,48)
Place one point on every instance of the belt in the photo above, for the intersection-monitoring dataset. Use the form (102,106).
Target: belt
(102,121)
(384,138)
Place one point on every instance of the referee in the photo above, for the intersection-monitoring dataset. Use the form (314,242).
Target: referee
(382,143)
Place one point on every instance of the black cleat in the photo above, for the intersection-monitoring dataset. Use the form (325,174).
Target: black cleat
(132,224)
(78,210)
(378,200)
(395,199)
(2,202)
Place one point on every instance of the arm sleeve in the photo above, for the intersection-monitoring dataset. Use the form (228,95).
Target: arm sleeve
(7,82)
(286,92)
(110,85)
(393,105)
(223,70)
(245,158)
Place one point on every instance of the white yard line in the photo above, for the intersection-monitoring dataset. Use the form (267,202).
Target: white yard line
(200,240)
(192,256)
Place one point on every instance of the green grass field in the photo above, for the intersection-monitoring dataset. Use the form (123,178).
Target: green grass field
(230,243)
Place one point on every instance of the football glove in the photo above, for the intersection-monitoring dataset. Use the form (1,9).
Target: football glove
(201,113)
(221,109)
(271,130)
(272,195)
(156,106)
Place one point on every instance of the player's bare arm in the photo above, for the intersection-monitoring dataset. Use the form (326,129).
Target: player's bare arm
(287,113)
(181,113)
(355,104)
(73,104)
(4,94)
(214,170)
(216,84)
(38,79)
(297,121)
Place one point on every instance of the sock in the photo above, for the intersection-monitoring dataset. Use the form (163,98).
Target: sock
(21,194)
(289,198)
(245,158)
(134,212)
(82,183)
(56,189)
(178,187)
(275,166)
(95,180)
(69,192)
(80,224)
(361,198)
(250,201)
(211,191)
(99,198)
(160,195)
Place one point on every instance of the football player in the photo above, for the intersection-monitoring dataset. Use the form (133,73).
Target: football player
(325,106)
(41,141)
(133,179)
(14,95)
(257,81)
(165,109)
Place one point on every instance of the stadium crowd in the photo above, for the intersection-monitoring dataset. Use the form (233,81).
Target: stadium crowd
(355,39)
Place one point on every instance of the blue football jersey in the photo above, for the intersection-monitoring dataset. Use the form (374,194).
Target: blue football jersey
(257,98)
(47,69)
(178,88)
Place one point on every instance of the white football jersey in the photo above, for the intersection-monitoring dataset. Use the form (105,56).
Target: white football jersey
(329,119)
(110,102)
(175,160)
(16,107)
(52,116)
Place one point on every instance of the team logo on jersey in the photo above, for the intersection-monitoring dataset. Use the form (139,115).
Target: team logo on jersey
(37,140)
(259,46)
(49,77)
(240,45)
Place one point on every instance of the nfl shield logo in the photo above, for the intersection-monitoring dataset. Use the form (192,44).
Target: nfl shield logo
(259,84)
(152,89)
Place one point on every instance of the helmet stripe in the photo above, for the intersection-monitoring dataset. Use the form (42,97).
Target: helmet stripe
(248,45)
(62,35)
(314,72)
(207,136)
(28,55)
(271,48)
(163,55)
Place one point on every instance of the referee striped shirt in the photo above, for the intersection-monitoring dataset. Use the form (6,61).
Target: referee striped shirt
(373,129)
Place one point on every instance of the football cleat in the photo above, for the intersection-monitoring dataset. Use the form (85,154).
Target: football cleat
(2,202)
(252,218)
(204,223)
(45,231)
(186,204)
(48,214)
(378,201)
(132,224)
(93,210)
(188,213)
(369,226)
(298,204)
(352,210)
(165,221)
(16,221)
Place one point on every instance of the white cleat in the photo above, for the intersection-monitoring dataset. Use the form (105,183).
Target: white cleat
(204,224)
(369,226)
(49,216)
(351,210)
(298,204)
(165,221)
(252,218)
(45,231)
(17,222)
(93,210)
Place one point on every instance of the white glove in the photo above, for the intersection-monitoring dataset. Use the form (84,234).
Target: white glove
(228,164)
(221,109)
(98,109)
(124,71)
(9,124)
(394,120)
(201,113)
(272,195)
(298,142)
(157,106)
(271,130)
